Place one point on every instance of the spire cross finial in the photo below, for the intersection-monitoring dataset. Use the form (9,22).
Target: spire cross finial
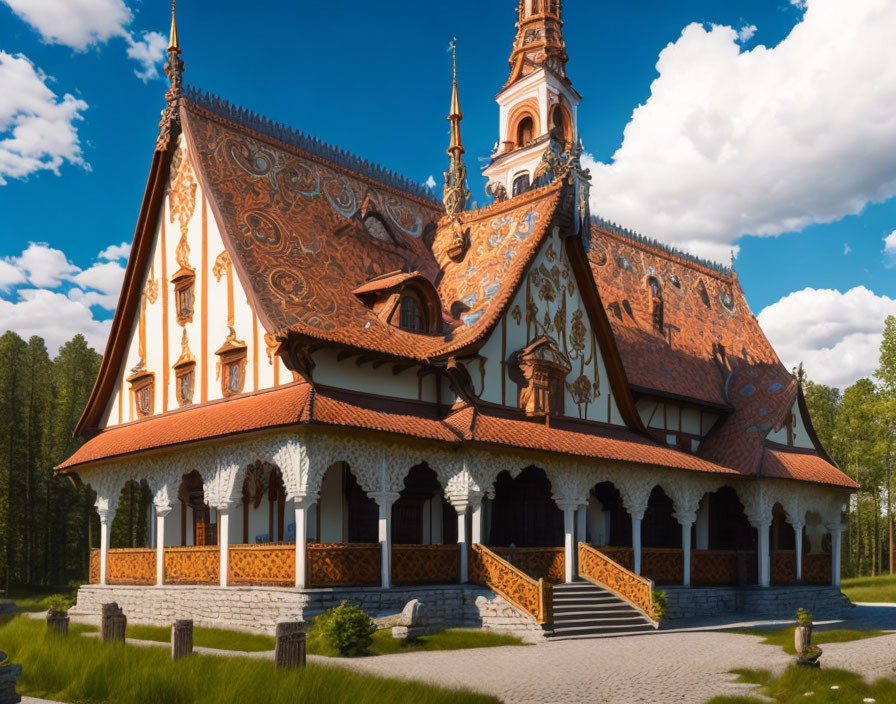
(456,193)
(173,43)
(174,69)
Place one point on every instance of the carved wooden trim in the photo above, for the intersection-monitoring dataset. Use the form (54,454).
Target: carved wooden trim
(783,567)
(492,571)
(262,565)
(425,564)
(538,563)
(94,569)
(714,567)
(596,567)
(192,565)
(817,568)
(130,566)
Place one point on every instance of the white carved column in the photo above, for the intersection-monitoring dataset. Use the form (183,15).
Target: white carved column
(686,553)
(569,506)
(385,499)
(301,505)
(758,507)
(161,513)
(476,524)
(582,523)
(686,498)
(635,492)
(223,539)
(836,551)
(463,542)
(221,494)
(763,553)
(106,503)
(636,541)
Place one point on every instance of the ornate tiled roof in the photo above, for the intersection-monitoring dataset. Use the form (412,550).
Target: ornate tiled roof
(288,135)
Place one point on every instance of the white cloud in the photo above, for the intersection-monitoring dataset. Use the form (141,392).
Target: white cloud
(765,141)
(430,182)
(149,52)
(846,248)
(890,249)
(114,252)
(44,266)
(48,295)
(37,129)
(53,316)
(801,4)
(74,23)
(836,335)
(80,24)
(746,33)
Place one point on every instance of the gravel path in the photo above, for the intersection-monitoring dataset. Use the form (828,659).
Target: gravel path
(674,668)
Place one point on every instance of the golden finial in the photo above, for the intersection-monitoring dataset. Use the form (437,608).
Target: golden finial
(456,115)
(173,43)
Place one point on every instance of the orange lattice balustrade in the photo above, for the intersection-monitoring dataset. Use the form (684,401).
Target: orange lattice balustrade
(598,568)
(783,567)
(193,565)
(492,571)
(713,568)
(262,565)
(343,564)
(538,563)
(425,564)
(131,566)
(817,568)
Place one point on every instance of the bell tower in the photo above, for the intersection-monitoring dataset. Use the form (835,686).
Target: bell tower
(538,105)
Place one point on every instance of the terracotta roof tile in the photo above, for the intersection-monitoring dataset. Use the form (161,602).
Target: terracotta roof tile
(802,465)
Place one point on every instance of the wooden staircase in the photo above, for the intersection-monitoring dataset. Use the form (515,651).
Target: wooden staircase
(585,610)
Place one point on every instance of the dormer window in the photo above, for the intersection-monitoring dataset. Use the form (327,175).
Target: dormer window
(544,370)
(656,303)
(410,318)
(407,301)
(520,184)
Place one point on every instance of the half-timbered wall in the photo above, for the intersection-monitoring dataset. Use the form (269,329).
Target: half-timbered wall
(548,304)
(675,420)
(187,234)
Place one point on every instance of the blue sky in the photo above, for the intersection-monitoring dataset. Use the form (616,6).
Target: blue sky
(374,78)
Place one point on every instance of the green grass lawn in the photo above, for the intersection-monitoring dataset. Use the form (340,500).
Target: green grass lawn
(880,589)
(383,642)
(784,636)
(802,684)
(88,671)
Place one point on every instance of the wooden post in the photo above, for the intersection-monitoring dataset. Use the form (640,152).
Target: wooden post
(181,639)
(9,675)
(114,623)
(289,651)
(57,622)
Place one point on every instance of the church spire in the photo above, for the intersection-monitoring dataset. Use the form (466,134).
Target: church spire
(456,192)
(174,69)
(539,39)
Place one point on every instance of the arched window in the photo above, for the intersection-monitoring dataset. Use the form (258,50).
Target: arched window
(410,316)
(656,303)
(520,184)
(525,131)
(558,124)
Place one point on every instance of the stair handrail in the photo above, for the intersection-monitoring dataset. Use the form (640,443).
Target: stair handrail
(605,572)
(535,597)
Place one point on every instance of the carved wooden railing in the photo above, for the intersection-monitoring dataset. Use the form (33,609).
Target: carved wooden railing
(621,556)
(131,566)
(597,567)
(94,571)
(538,563)
(193,565)
(535,597)
(783,567)
(262,565)
(343,564)
(817,568)
(425,564)
(714,567)
(663,565)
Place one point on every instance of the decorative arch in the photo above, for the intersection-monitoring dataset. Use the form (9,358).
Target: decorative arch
(561,121)
(527,109)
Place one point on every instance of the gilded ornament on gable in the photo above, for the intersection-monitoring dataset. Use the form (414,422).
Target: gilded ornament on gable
(182,202)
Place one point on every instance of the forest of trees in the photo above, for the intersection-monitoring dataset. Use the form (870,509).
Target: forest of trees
(47,526)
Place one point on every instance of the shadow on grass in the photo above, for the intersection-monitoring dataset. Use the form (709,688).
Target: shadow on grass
(87,670)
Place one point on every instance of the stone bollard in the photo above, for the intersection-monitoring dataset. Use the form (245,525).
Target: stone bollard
(114,623)
(9,675)
(290,649)
(57,622)
(181,639)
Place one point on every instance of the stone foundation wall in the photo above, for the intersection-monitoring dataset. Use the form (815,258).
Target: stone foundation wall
(824,602)
(257,609)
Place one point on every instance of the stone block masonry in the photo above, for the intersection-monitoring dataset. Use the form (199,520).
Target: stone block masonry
(824,602)
(259,609)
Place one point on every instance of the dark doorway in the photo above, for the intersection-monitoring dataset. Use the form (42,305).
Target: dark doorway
(620,533)
(411,523)
(363,513)
(729,528)
(660,529)
(524,513)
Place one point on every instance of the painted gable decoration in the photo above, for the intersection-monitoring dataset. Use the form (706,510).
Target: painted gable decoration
(543,368)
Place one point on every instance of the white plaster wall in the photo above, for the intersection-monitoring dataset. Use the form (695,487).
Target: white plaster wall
(603,408)
(800,434)
(248,330)
(259,522)
(329,371)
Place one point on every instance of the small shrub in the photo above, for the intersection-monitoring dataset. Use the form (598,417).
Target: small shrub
(660,605)
(347,629)
(58,603)
(803,617)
